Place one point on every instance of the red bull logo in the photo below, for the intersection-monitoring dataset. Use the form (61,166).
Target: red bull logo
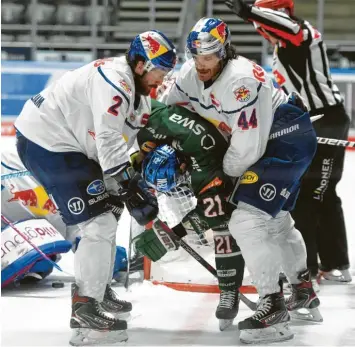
(28,197)
(242,94)
(196,44)
(125,86)
(35,199)
(221,29)
(220,32)
(153,47)
(49,206)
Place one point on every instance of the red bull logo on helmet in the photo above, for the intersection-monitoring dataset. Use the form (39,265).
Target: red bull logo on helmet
(153,44)
(220,32)
(196,44)
(35,199)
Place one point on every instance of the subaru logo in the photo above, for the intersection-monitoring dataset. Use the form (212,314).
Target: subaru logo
(96,187)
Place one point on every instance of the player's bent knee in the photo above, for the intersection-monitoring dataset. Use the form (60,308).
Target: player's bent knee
(248,223)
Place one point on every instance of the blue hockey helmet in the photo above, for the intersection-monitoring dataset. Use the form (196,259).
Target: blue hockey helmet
(161,169)
(209,35)
(155,48)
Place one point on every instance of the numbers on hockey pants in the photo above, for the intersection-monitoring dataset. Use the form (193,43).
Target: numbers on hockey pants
(214,206)
(113,109)
(223,244)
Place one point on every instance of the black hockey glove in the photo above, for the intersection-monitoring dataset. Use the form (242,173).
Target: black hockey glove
(116,206)
(239,7)
(135,193)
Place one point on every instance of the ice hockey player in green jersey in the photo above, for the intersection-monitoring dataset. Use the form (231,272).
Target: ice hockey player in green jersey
(193,146)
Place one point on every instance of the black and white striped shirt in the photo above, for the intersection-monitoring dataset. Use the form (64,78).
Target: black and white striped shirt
(300,60)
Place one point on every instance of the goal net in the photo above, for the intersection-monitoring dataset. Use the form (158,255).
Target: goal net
(177,269)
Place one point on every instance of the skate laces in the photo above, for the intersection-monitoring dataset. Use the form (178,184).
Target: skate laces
(104,314)
(227,299)
(264,307)
(112,295)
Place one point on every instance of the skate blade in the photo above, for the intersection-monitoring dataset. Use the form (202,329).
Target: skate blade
(337,276)
(90,337)
(122,316)
(307,314)
(275,333)
(225,324)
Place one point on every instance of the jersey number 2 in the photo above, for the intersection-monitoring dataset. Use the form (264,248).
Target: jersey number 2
(113,109)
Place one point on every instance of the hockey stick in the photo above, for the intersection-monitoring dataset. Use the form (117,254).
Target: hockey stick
(126,282)
(44,256)
(202,261)
(335,142)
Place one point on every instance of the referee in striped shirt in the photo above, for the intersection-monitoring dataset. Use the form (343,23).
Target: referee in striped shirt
(300,64)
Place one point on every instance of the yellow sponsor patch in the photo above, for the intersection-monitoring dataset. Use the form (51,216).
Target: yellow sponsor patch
(249,177)
(148,146)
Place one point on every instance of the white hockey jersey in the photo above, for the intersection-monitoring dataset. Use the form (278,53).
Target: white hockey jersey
(241,102)
(88,110)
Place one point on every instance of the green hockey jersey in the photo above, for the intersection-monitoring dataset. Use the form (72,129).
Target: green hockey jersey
(200,141)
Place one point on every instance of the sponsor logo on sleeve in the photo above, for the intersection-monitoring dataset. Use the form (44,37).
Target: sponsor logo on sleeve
(249,177)
(267,192)
(76,205)
(96,187)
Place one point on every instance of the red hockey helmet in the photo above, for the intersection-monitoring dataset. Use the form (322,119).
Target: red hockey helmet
(276,5)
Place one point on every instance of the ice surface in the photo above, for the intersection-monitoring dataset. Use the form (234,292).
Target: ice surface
(163,317)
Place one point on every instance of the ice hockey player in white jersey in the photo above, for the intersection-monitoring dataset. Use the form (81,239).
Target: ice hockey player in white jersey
(23,199)
(72,136)
(272,143)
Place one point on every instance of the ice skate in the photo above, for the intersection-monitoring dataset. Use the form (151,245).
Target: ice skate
(91,325)
(303,302)
(270,322)
(119,308)
(315,283)
(228,308)
(337,275)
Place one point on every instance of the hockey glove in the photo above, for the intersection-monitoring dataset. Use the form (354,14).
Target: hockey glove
(116,206)
(239,7)
(135,193)
(154,242)
(136,160)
